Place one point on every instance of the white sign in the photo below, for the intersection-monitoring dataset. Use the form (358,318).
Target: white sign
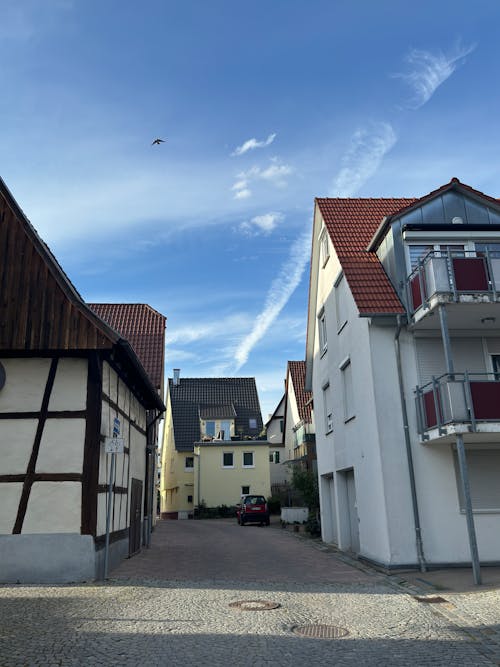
(114,445)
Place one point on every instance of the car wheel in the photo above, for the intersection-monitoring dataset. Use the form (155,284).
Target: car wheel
(268,522)
(242,522)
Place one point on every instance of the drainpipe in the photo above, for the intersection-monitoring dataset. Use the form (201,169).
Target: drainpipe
(151,451)
(462,460)
(409,456)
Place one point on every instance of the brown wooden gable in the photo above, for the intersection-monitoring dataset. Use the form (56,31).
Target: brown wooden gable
(39,307)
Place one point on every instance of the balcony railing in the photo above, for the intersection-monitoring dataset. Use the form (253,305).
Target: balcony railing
(466,398)
(454,274)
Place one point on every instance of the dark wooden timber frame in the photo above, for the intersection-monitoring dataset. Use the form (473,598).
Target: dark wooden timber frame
(92,446)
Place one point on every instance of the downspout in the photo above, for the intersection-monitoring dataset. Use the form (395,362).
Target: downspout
(409,456)
(152,452)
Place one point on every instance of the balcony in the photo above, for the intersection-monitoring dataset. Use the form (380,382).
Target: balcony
(444,277)
(459,403)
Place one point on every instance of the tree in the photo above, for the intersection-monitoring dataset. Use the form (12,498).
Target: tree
(306,482)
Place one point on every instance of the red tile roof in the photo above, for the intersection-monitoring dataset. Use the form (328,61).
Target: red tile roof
(351,224)
(297,370)
(144,328)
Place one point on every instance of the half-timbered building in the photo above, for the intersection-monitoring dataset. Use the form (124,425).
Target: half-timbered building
(67,379)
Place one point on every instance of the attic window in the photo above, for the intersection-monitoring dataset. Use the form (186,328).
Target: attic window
(324,248)
(252,423)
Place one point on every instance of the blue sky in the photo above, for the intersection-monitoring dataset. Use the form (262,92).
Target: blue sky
(264,105)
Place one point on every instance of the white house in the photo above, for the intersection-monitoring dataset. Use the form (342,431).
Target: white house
(67,381)
(403,357)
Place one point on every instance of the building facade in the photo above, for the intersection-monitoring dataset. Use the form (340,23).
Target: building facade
(67,381)
(213,447)
(402,352)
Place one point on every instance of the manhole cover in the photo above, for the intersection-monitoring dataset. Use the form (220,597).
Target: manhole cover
(320,631)
(254,605)
(432,599)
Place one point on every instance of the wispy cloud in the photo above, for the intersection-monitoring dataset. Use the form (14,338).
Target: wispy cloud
(277,297)
(363,157)
(429,70)
(261,224)
(252,144)
(275,174)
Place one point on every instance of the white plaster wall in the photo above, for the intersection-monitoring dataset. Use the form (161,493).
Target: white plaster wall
(10,494)
(16,444)
(444,530)
(354,444)
(70,385)
(61,447)
(24,385)
(54,507)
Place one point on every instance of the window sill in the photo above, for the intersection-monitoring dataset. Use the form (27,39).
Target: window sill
(248,467)
(349,419)
(323,352)
(328,432)
(325,262)
(227,467)
(497,511)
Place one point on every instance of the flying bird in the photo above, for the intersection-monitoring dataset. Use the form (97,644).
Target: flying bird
(158,142)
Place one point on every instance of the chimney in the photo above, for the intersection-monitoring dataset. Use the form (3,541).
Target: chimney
(177,372)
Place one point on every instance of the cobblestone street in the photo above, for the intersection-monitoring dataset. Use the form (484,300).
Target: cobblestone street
(152,613)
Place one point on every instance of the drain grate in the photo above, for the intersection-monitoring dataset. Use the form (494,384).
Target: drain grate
(320,631)
(254,605)
(431,599)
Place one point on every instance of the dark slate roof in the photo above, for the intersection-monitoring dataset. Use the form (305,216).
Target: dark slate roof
(217,411)
(193,394)
(144,328)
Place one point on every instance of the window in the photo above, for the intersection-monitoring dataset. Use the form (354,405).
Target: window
(190,499)
(274,457)
(189,463)
(281,425)
(210,428)
(252,423)
(327,407)
(341,303)
(324,248)
(248,460)
(227,460)
(323,341)
(225,430)
(245,490)
(347,387)
(484,472)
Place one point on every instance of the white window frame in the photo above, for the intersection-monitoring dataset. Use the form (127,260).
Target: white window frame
(322,332)
(347,389)
(327,409)
(232,464)
(324,247)
(252,465)
(340,302)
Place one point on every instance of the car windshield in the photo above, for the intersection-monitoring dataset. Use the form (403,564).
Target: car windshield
(255,500)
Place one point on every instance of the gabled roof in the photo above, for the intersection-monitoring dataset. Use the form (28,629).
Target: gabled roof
(297,371)
(42,311)
(144,328)
(192,395)
(351,224)
(279,411)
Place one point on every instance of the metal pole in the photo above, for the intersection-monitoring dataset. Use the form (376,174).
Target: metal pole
(464,478)
(462,461)
(108,514)
(445,335)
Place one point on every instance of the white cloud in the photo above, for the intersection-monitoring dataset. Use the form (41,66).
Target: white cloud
(277,297)
(275,174)
(252,144)
(430,70)
(363,157)
(262,224)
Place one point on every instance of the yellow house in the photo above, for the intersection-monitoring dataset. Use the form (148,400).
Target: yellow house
(213,451)
(226,470)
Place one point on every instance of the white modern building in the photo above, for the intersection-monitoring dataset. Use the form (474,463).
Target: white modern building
(403,358)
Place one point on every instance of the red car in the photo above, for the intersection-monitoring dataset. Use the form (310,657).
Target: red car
(252,509)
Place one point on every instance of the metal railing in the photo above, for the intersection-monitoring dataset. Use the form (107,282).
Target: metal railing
(454,273)
(457,398)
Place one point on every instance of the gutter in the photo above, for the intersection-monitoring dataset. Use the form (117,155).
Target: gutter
(409,456)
